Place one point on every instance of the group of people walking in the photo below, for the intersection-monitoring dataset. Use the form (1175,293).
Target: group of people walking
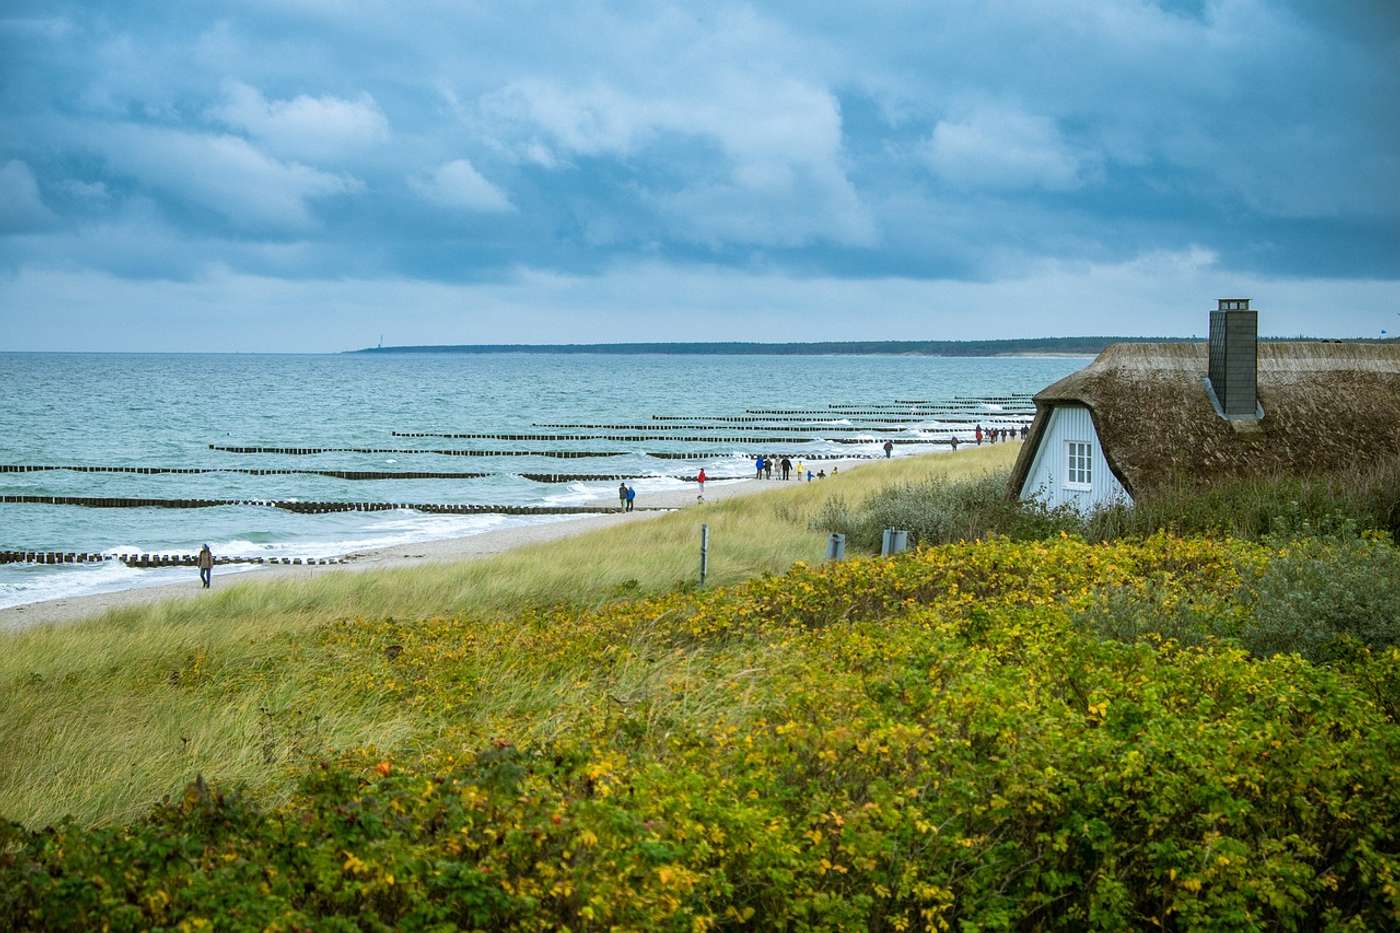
(992,435)
(764,467)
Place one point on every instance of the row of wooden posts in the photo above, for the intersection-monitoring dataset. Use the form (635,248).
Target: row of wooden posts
(152,560)
(560,454)
(637,438)
(291,505)
(347,474)
(805,426)
(771,421)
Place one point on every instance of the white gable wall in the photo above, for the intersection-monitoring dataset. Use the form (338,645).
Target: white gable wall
(1047,479)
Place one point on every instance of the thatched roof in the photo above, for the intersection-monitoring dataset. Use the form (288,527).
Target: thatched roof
(1326,406)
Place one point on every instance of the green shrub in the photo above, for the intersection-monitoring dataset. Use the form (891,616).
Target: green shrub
(941,511)
(926,742)
(1324,598)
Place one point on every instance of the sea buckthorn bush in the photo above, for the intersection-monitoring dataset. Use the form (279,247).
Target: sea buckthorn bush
(932,741)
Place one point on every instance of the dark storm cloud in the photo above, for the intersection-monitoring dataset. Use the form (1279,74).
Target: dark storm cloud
(504,149)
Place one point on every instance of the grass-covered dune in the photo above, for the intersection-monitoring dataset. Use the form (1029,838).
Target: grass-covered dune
(1029,734)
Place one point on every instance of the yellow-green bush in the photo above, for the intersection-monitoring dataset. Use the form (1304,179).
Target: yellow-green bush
(930,741)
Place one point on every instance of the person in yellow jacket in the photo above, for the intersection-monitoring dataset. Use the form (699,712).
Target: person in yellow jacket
(206,565)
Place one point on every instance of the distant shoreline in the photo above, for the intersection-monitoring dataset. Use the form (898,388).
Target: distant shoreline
(1030,346)
(1033,346)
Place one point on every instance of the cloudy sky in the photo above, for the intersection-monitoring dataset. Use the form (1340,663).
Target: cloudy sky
(311,174)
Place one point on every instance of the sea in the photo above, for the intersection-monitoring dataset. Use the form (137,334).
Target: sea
(172,410)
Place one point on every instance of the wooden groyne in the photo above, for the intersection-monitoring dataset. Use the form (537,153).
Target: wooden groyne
(806,427)
(307,451)
(600,477)
(790,456)
(292,505)
(160,470)
(726,420)
(560,454)
(360,474)
(153,560)
(679,438)
(841,413)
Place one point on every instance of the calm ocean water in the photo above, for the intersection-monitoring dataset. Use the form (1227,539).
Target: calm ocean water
(164,410)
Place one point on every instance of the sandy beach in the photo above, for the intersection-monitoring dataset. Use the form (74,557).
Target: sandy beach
(454,549)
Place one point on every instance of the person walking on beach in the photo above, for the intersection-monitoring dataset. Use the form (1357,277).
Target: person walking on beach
(631,498)
(953,440)
(799,471)
(206,565)
(787,468)
(767,467)
(978,435)
(700,480)
(622,495)
(758,468)
(889,449)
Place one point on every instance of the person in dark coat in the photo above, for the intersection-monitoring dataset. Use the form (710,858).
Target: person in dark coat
(889,449)
(786,465)
(622,495)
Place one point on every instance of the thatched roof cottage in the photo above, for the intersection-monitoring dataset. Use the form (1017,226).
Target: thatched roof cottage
(1145,414)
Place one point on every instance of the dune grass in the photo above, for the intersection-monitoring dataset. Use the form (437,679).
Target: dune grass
(104,717)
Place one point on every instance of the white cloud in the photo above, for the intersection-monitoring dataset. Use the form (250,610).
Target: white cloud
(458,185)
(782,178)
(1001,147)
(21,205)
(307,128)
(222,173)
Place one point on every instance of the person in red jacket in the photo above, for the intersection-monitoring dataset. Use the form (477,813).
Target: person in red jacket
(700,479)
(978,434)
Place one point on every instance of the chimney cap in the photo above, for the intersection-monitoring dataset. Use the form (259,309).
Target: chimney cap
(1232,304)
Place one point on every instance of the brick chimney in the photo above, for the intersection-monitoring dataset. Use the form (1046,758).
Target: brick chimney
(1234,357)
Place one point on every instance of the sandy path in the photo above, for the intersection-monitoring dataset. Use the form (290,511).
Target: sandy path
(403,555)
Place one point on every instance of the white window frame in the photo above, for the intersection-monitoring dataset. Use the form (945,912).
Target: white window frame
(1085,467)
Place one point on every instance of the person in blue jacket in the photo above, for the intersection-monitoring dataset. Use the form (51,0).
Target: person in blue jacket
(631,498)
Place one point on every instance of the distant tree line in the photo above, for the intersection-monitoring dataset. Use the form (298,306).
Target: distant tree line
(1074,345)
